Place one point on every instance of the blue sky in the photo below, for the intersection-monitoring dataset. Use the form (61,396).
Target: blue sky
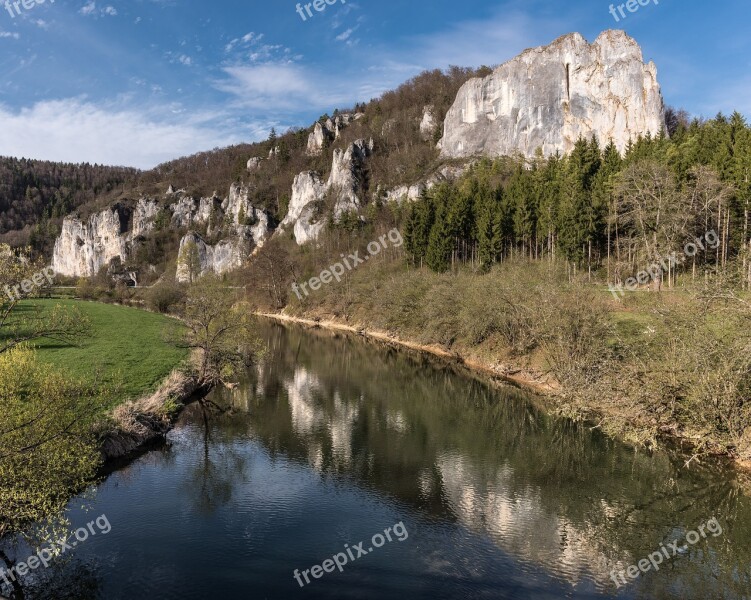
(144,81)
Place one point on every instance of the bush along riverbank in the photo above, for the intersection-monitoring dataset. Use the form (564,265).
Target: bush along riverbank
(645,368)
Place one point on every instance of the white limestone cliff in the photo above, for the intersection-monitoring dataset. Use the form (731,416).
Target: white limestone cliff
(318,138)
(254,163)
(428,123)
(344,184)
(82,249)
(143,217)
(548,97)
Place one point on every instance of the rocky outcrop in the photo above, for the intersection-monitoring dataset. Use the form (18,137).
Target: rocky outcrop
(344,185)
(109,238)
(329,130)
(413,192)
(82,249)
(208,209)
(428,123)
(346,178)
(197,258)
(143,217)
(405,192)
(248,228)
(548,97)
(183,212)
(254,163)
(318,138)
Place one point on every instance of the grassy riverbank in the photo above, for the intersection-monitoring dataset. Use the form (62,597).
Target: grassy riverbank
(675,363)
(126,348)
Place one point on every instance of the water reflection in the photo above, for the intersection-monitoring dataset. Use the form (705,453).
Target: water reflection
(549,492)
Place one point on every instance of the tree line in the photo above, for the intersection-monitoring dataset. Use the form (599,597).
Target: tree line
(598,209)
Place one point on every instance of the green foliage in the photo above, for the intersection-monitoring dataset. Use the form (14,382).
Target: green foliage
(164,296)
(220,328)
(47,449)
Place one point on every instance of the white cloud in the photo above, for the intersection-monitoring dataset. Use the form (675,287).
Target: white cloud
(8,34)
(90,9)
(281,87)
(75,130)
(345,35)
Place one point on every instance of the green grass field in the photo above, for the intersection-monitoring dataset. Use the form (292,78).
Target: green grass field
(127,347)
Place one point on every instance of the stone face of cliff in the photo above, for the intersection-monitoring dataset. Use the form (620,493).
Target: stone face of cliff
(548,97)
(84,247)
(247,226)
(344,184)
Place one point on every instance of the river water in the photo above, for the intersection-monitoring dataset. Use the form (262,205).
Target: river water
(331,440)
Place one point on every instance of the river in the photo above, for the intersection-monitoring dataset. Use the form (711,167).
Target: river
(331,440)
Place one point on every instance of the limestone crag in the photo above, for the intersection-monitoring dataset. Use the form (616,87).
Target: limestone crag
(248,228)
(413,192)
(428,123)
(110,237)
(196,257)
(82,249)
(143,217)
(318,138)
(548,97)
(327,131)
(344,185)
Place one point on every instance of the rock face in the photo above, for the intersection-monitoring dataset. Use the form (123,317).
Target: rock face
(254,163)
(248,228)
(84,248)
(318,138)
(108,238)
(413,192)
(428,123)
(143,217)
(328,131)
(548,97)
(308,191)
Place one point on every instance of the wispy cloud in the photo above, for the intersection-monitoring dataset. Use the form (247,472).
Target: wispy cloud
(76,130)
(90,9)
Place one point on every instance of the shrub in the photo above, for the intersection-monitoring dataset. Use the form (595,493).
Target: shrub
(164,296)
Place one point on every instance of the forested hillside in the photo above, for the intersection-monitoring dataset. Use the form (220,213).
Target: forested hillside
(595,208)
(36,194)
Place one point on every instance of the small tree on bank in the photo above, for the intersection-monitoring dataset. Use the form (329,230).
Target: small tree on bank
(220,329)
